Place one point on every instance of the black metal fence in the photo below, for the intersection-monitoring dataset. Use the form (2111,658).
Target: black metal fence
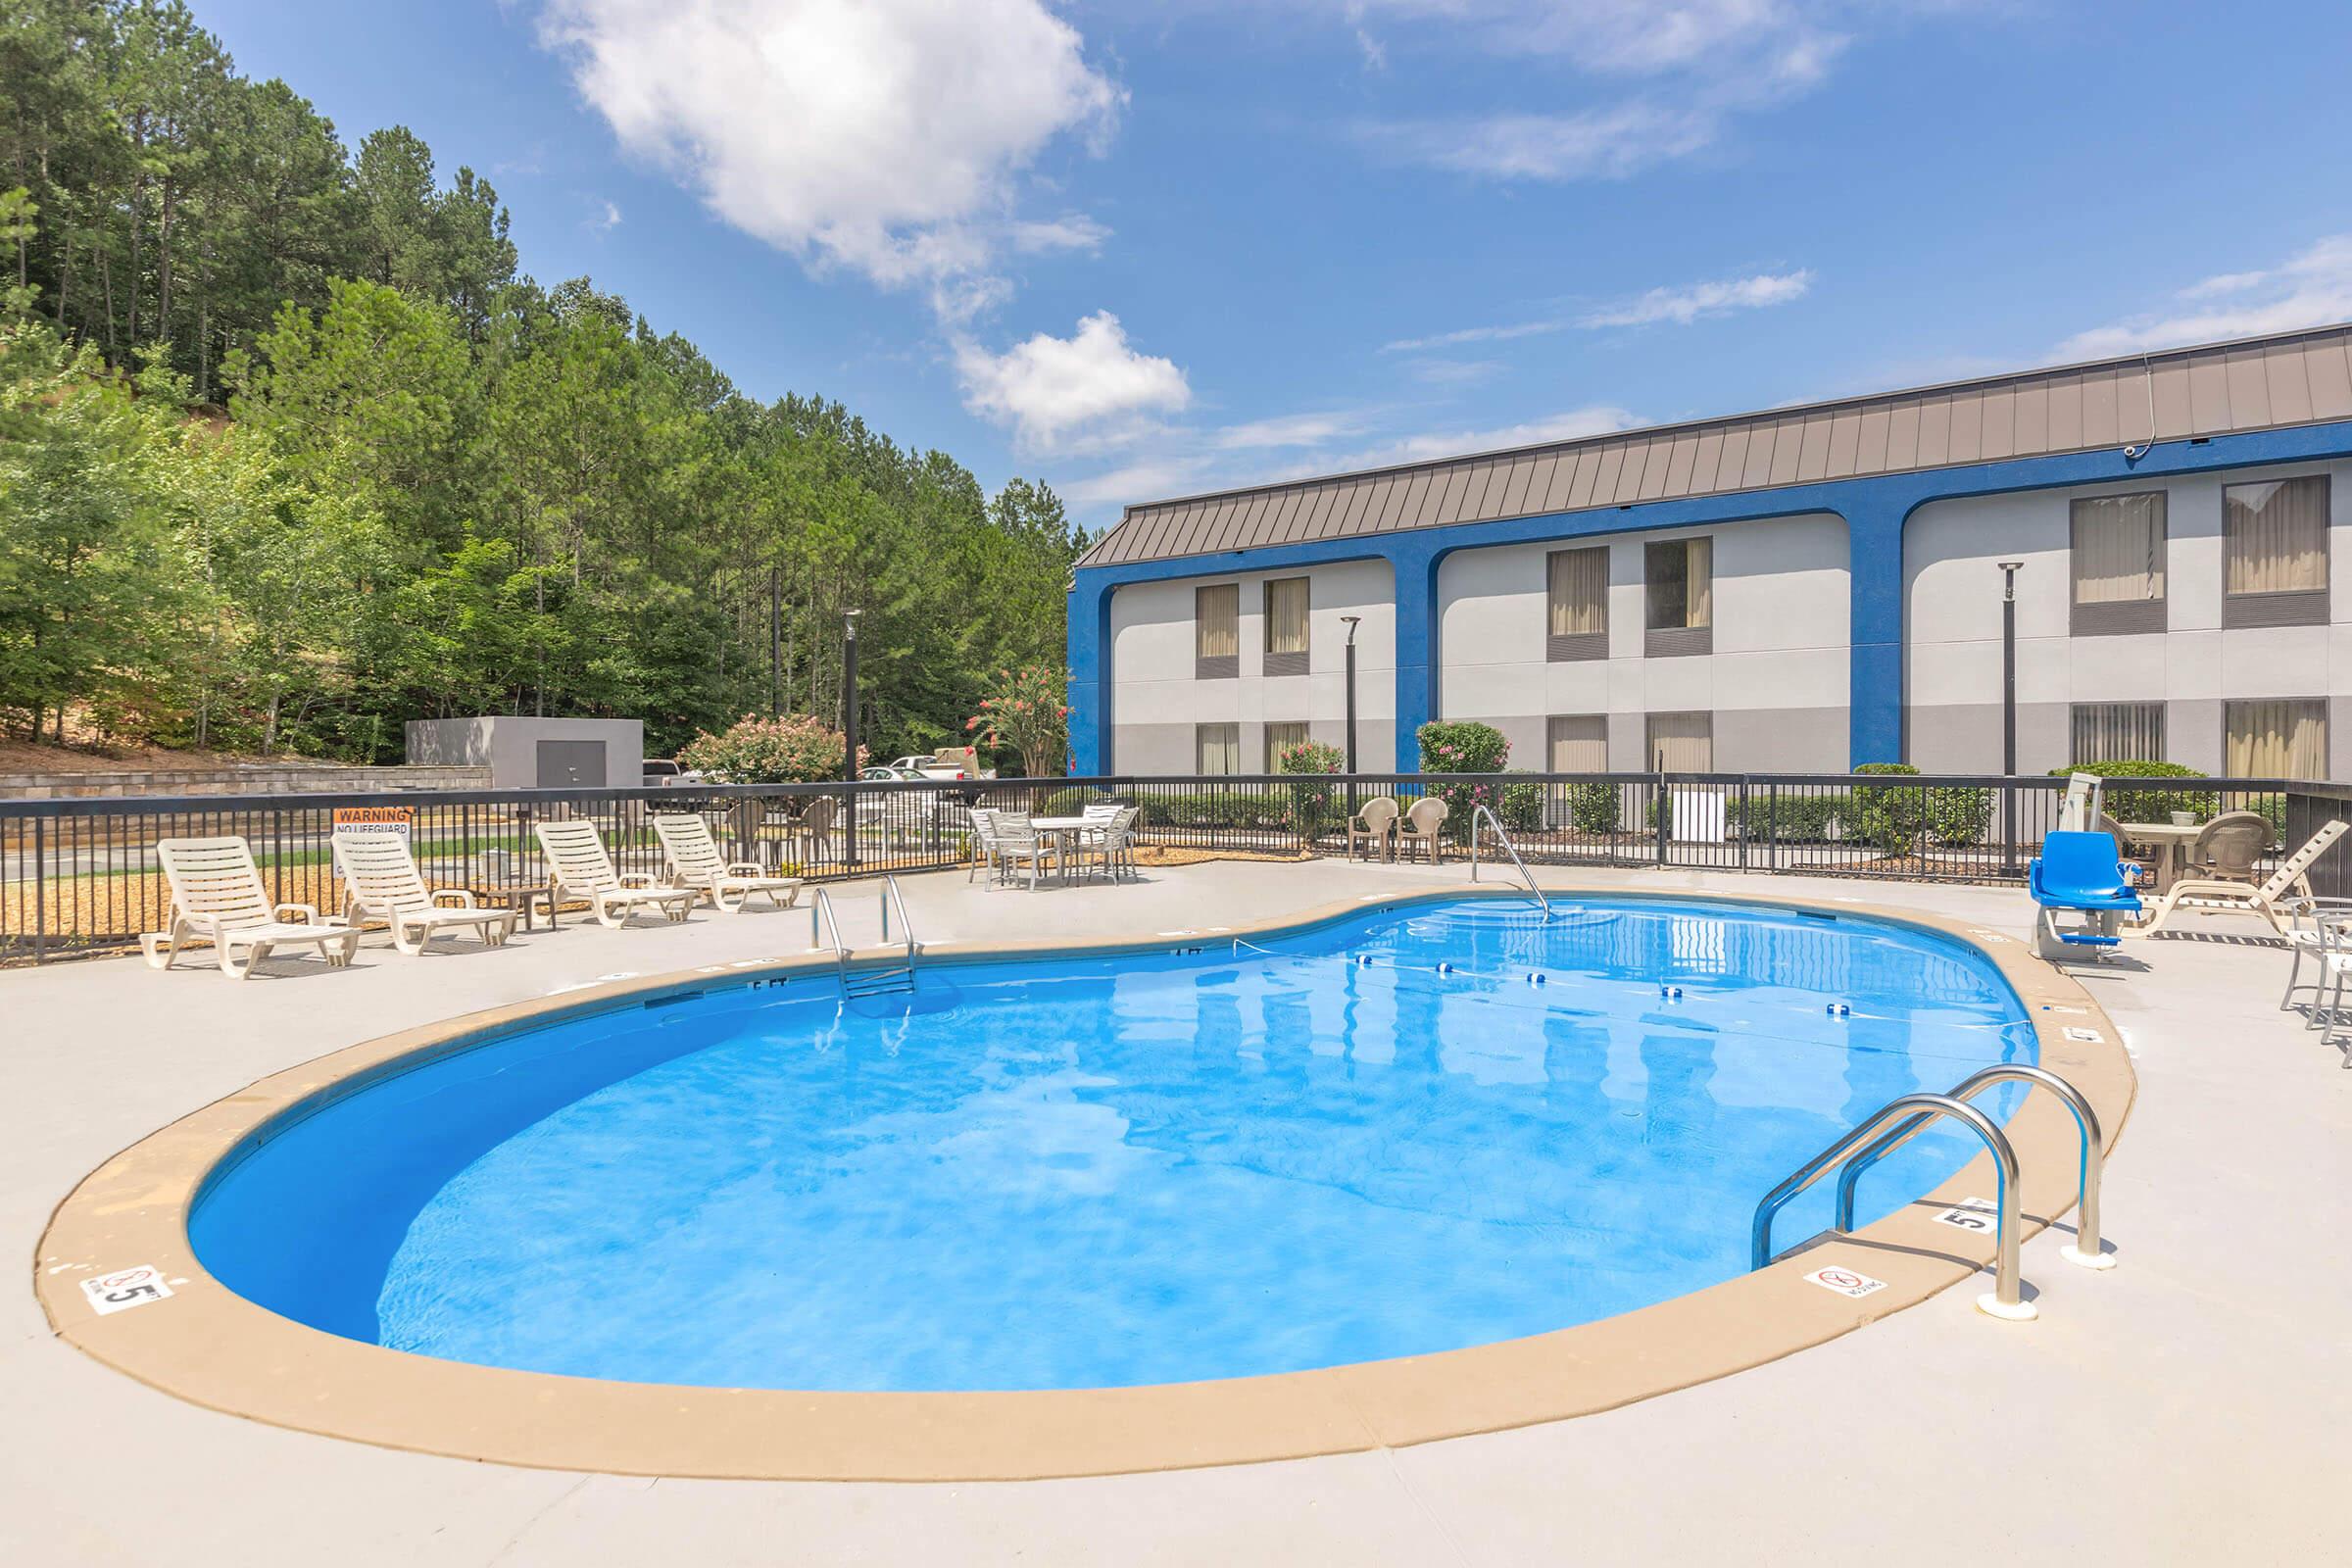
(80,875)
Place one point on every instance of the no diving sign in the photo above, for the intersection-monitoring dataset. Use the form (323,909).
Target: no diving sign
(1845,1281)
(125,1288)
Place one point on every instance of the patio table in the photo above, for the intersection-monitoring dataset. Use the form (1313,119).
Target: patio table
(2170,841)
(1061,830)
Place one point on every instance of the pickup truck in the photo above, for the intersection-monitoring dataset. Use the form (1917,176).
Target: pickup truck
(956,762)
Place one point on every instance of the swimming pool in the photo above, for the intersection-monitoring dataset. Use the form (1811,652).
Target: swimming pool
(1375,1137)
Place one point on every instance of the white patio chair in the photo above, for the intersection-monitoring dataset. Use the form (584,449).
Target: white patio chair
(984,843)
(1017,840)
(581,868)
(1109,839)
(695,863)
(218,897)
(1420,826)
(381,882)
(2270,900)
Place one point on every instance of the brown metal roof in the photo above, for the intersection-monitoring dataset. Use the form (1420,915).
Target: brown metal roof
(2216,389)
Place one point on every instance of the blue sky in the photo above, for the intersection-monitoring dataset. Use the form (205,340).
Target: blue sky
(1150,249)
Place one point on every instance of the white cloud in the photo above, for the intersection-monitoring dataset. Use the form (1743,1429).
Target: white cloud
(1088,391)
(1288,430)
(2310,289)
(1570,425)
(1685,304)
(610,219)
(1681,305)
(1595,145)
(1641,38)
(884,135)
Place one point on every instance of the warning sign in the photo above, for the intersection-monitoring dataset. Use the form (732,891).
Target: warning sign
(363,822)
(1845,1282)
(125,1288)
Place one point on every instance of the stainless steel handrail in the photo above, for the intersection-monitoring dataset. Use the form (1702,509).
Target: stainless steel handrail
(2007,1300)
(1482,811)
(821,907)
(2092,1161)
(889,896)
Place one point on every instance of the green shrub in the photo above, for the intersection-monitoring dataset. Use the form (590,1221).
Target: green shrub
(2147,806)
(1462,747)
(1791,818)
(1258,811)
(1594,808)
(1521,808)
(1888,815)
(2273,811)
(1311,806)
(1074,801)
(1959,818)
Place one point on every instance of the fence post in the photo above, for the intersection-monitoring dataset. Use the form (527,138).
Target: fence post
(1744,821)
(1664,826)
(2008,824)
(41,888)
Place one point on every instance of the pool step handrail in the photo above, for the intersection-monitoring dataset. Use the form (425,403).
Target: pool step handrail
(2007,1301)
(2084,1250)
(897,976)
(1483,813)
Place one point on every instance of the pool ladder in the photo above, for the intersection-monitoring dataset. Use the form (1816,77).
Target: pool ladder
(884,980)
(1482,812)
(1903,1118)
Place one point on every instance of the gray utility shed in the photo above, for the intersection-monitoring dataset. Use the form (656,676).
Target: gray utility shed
(544,754)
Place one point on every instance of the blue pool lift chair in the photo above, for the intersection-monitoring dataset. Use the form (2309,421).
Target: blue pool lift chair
(2082,874)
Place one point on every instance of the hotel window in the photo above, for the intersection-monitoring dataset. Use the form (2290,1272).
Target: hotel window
(2275,738)
(2117,564)
(1577,743)
(1681,579)
(1579,592)
(1687,742)
(1280,738)
(1286,626)
(2117,732)
(1217,632)
(2275,552)
(1216,748)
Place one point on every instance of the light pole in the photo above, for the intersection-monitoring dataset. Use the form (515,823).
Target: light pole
(1350,622)
(775,646)
(849,728)
(2009,571)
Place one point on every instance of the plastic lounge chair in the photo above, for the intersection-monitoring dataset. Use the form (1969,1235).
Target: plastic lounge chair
(2079,873)
(381,882)
(1373,823)
(813,829)
(2271,900)
(1420,826)
(218,897)
(2140,872)
(581,868)
(730,885)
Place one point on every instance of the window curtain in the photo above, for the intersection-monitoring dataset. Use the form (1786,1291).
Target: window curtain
(1687,740)
(1280,738)
(1681,582)
(2119,550)
(1579,744)
(2118,732)
(1700,555)
(1580,591)
(2283,738)
(2275,536)
(1286,616)
(1217,621)
(1217,747)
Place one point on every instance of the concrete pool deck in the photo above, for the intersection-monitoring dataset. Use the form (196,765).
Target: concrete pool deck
(2189,1405)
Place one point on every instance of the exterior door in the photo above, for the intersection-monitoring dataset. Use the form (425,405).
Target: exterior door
(571,765)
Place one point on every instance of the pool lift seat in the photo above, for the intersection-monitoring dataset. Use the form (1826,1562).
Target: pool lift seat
(2081,874)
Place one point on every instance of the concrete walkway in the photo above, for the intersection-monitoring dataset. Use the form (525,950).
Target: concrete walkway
(2194,1405)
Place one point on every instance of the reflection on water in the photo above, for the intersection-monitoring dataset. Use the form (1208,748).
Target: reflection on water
(1120,1171)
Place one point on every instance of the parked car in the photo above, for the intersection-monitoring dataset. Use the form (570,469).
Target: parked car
(661,773)
(956,762)
(895,772)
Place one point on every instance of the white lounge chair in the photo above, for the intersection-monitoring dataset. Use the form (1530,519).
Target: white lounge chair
(2270,900)
(695,863)
(381,882)
(581,868)
(218,897)
(1014,838)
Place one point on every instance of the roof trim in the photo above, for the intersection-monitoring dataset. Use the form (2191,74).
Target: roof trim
(1795,420)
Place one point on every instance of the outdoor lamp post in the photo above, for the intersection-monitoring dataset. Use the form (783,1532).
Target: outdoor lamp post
(848,730)
(2009,571)
(1351,622)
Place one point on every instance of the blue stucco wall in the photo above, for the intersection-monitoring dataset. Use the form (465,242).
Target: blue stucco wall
(1875,511)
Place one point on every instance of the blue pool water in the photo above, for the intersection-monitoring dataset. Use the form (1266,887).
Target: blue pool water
(1121,1170)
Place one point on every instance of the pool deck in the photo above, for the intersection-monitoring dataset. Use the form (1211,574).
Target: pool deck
(2194,1405)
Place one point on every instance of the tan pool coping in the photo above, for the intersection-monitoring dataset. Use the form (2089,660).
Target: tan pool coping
(211,1347)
